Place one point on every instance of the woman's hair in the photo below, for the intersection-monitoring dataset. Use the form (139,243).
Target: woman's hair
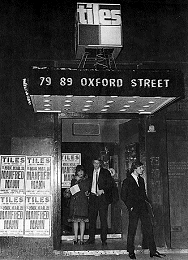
(78,168)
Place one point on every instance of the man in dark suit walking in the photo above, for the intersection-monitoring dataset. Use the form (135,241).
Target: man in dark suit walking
(133,194)
(99,199)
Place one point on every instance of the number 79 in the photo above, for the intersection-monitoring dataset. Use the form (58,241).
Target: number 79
(45,81)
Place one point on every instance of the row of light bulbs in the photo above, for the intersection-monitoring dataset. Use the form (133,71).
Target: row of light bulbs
(47,105)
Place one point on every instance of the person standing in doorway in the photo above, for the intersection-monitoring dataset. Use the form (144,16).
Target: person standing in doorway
(99,199)
(133,194)
(79,203)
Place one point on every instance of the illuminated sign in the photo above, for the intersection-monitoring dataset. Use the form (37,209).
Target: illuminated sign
(99,14)
(98,26)
(145,83)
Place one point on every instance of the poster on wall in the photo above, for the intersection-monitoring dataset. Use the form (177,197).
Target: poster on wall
(38,216)
(12,174)
(38,174)
(12,215)
(69,163)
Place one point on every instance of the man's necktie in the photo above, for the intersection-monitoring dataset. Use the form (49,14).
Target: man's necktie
(96,182)
(138,181)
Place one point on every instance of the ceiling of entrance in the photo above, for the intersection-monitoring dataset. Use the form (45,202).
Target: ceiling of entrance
(99,104)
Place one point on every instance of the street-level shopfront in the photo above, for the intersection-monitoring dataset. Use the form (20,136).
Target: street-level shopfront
(36,174)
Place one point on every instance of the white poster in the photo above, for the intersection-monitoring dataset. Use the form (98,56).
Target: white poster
(12,174)
(11,215)
(38,174)
(69,163)
(38,216)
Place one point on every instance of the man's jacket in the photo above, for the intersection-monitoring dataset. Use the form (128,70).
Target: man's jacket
(105,182)
(132,195)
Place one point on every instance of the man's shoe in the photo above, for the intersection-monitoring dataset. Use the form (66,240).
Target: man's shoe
(157,254)
(104,243)
(132,255)
(90,242)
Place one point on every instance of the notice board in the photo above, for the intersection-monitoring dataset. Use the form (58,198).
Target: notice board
(25,195)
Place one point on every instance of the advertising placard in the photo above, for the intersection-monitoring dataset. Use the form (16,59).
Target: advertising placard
(38,216)
(69,163)
(38,174)
(11,215)
(12,174)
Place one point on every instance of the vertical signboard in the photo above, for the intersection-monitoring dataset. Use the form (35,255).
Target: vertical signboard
(12,189)
(69,163)
(38,199)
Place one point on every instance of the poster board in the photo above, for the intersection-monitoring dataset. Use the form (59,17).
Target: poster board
(25,195)
(69,163)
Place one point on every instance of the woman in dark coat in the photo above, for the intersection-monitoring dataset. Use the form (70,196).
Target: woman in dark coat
(79,202)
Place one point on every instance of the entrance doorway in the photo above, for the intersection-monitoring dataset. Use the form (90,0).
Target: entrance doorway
(99,138)
(88,151)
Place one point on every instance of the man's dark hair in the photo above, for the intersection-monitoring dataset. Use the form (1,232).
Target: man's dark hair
(134,165)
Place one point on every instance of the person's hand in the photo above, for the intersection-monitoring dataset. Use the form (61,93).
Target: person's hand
(77,178)
(100,192)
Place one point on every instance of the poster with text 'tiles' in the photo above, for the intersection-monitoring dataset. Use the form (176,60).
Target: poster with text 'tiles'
(38,216)
(69,163)
(11,215)
(38,174)
(12,174)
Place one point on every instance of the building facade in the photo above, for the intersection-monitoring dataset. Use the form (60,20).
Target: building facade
(43,35)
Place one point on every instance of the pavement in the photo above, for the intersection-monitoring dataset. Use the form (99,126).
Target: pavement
(101,255)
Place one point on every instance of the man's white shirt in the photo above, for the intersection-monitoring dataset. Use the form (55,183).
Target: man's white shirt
(135,177)
(95,173)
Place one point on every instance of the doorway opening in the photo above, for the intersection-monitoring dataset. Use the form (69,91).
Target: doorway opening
(87,151)
(110,144)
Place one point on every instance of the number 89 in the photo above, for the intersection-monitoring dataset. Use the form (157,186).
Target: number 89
(65,81)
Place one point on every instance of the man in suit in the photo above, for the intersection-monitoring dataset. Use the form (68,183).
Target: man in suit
(133,194)
(101,184)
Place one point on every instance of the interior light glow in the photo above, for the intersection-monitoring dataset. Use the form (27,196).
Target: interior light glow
(68,101)
(67,105)
(126,106)
(47,105)
(46,96)
(122,110)
(106,106)
(91,96)
(69,96)
(110,101)
(87,105)
(114,96)
(104,110)
(89,101)
(47,109)
(47,100)
(151,102)
(141,110)
(144,112)
(131,101)
(146,106)
(85,109)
